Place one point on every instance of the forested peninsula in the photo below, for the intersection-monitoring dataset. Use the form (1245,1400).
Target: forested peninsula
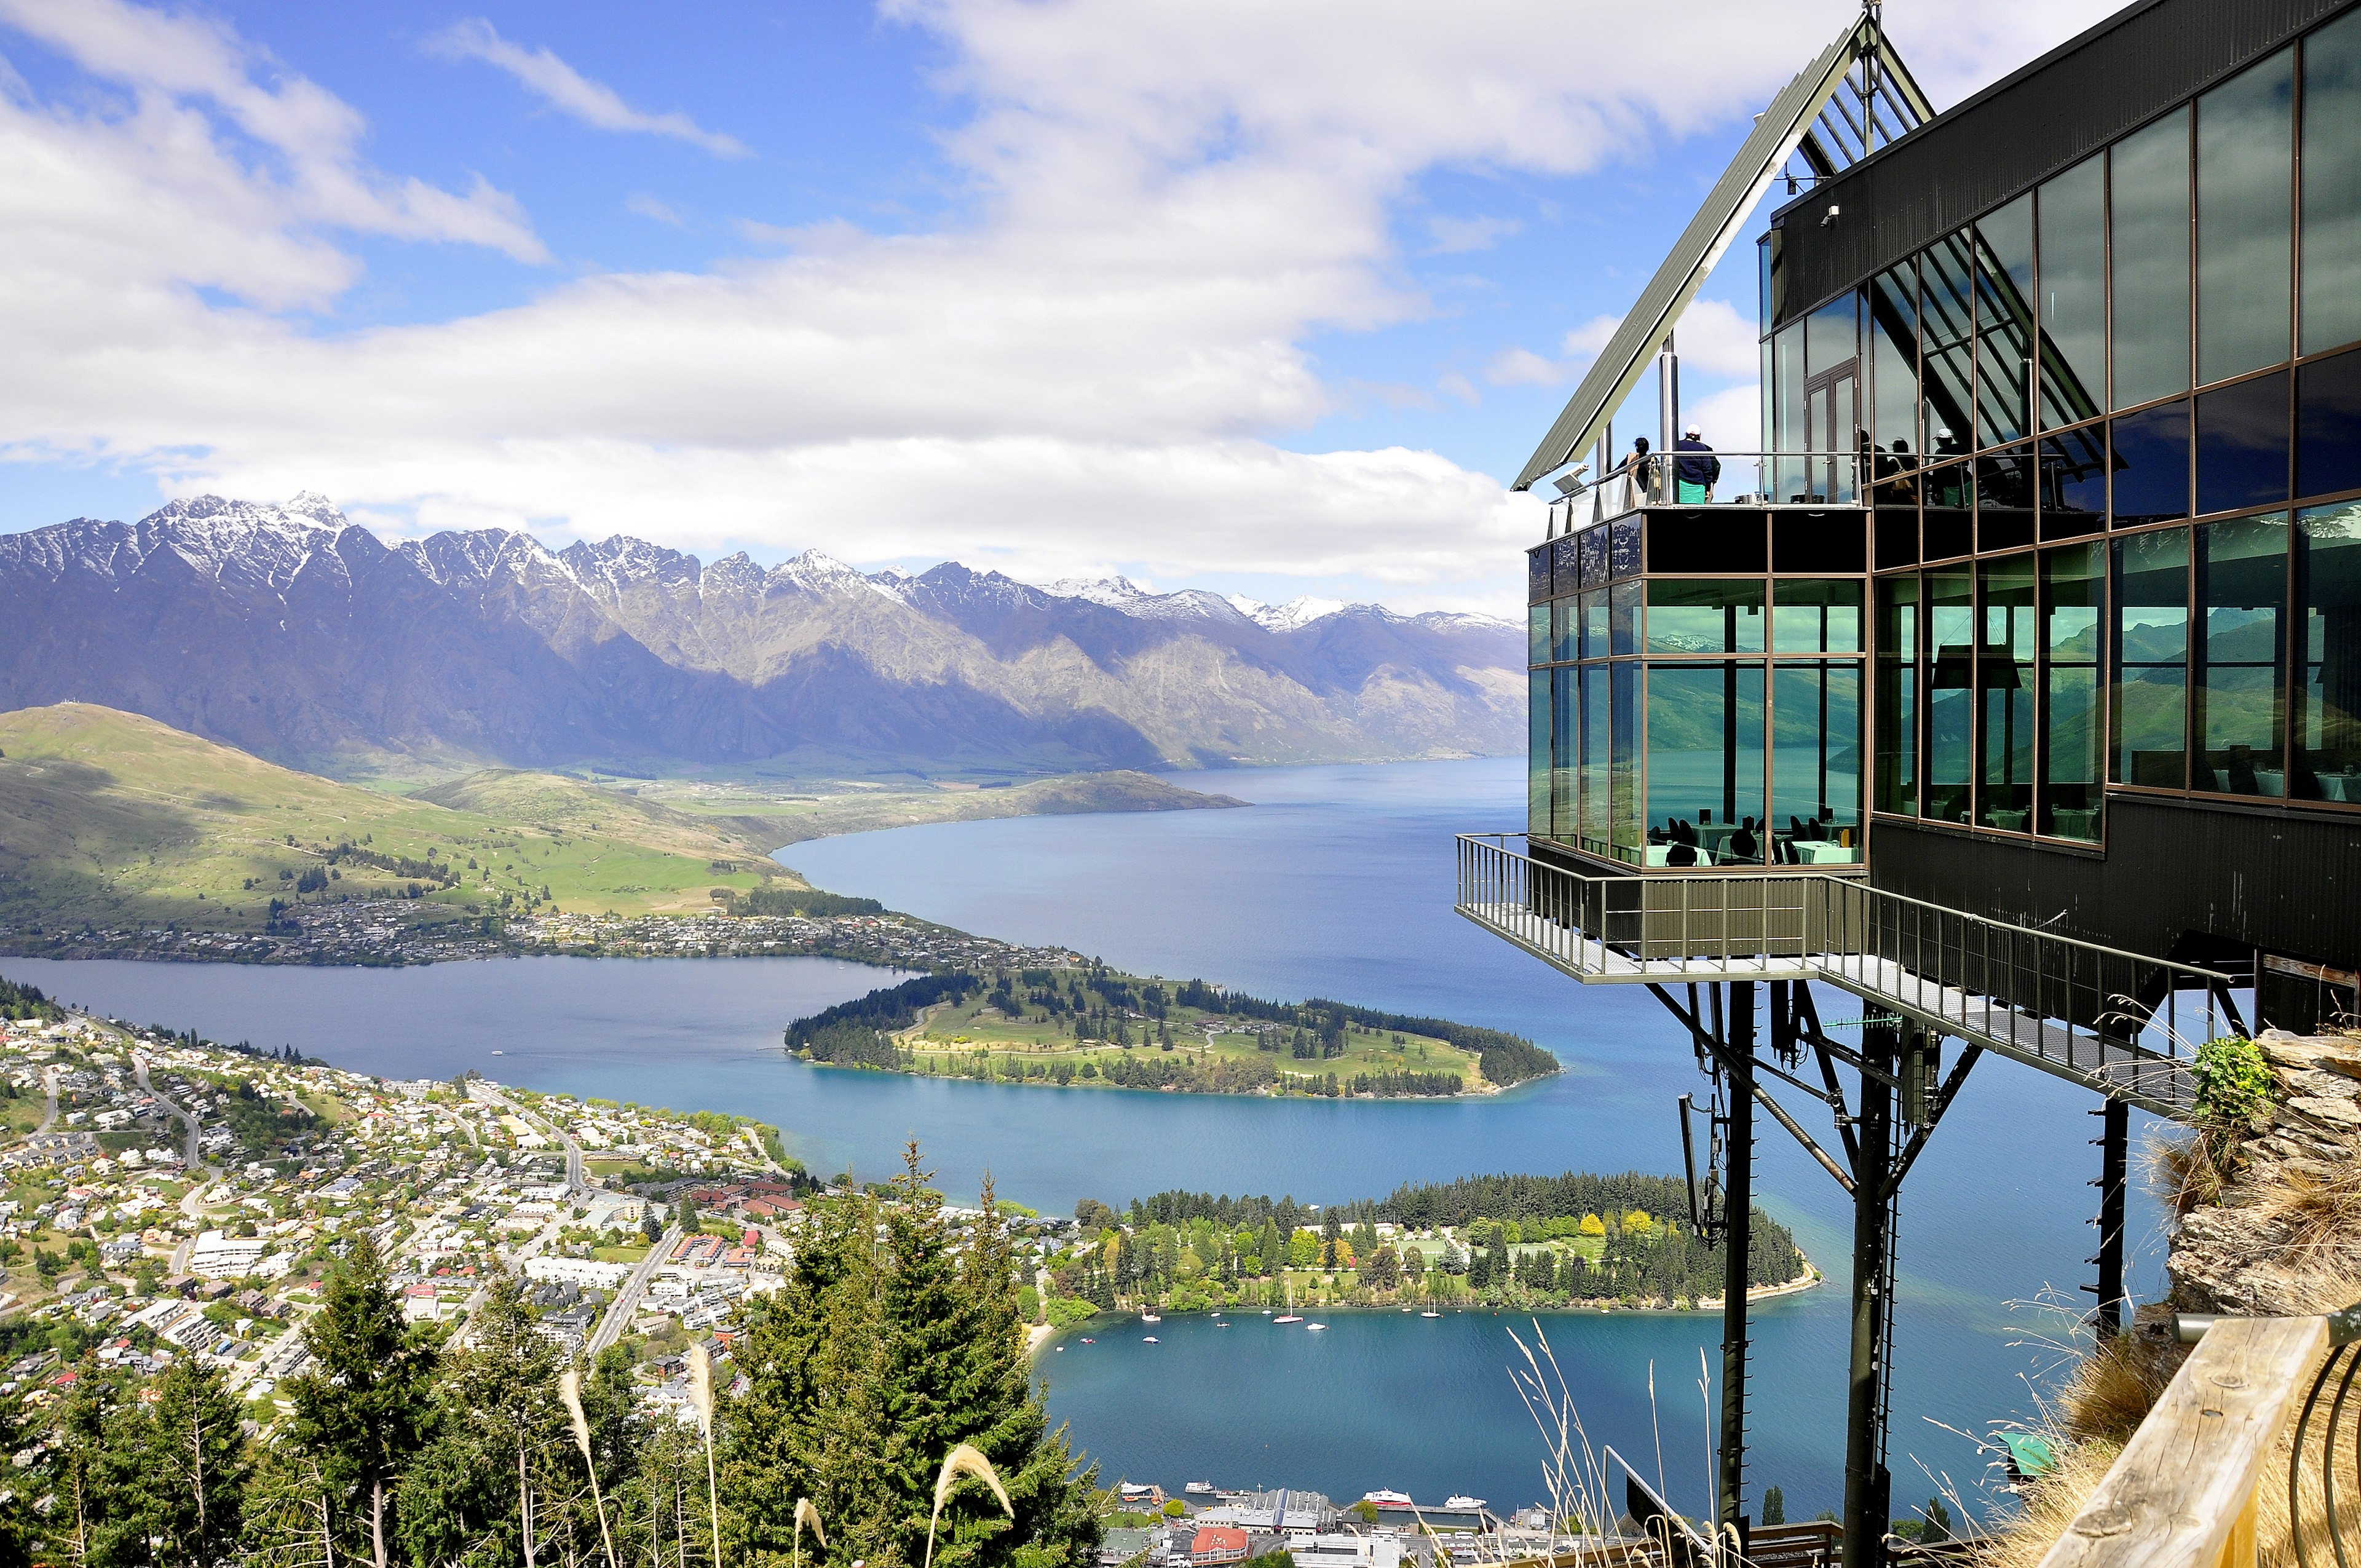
(1086,1025)
(1521,1242)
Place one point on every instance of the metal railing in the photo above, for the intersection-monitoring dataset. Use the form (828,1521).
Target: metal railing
(2099,1013)
(1713,478)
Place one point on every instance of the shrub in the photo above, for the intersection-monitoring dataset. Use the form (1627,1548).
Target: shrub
(2234,1083)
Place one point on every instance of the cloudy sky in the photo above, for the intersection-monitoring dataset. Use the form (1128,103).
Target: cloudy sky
(1266,296)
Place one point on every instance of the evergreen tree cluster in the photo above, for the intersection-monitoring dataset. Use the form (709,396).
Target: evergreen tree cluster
(1507,1059)
(1507,1197)
(18,1002)
(779,903)
(896,1338)
(856,1033)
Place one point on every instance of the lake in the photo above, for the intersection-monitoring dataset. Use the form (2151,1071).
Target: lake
(1338,882)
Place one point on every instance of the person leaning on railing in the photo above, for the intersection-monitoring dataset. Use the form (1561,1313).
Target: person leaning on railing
(1694,478)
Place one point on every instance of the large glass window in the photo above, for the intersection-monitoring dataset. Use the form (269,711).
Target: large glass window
(2150,711)
(2149,196)
(2331,184)
(2074,737)
(1623,761)
(2004,686)
(1815,763)
(1624,618)
(1950,694)
(1537,755)
(1786,474)
(1565,627)
(2004,322)
(1818,615)
(2242,572)
(2242,444)
(1597,751)
(1894,365)
(1565,751)
(1897,695)
(1705,764)
(1537,638)
(2328,727)
(1704,616)
(1947,353)
(1594,624)
(2151,465)
(2073,482)
(2004,499)
(2245,219)
(1593,542)
(1949,525)
(2073,221)
(2328,423)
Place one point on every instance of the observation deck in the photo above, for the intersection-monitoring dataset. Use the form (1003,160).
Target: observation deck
(2119,1022)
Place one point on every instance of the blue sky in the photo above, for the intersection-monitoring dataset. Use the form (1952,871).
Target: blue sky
(1267,299)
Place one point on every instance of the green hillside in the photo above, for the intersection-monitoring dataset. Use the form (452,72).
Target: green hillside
(112,818)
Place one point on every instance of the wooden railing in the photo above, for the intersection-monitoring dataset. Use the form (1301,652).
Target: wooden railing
(2184,1492)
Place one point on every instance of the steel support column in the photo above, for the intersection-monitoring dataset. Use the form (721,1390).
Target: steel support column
(1865,1492)
(2115,1151)
(1738,1209)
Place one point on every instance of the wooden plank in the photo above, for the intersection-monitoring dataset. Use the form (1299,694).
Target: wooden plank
(2176,1495)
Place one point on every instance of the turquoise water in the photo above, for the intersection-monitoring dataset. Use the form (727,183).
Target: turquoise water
(1338,882)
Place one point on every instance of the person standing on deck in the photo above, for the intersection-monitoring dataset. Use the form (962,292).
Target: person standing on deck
(1694,478)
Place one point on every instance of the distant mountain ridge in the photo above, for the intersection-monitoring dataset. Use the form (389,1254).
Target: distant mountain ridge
(290,633)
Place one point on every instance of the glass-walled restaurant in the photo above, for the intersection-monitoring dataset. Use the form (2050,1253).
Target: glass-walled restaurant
(2096,457)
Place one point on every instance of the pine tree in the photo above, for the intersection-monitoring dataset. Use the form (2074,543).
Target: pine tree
(1775,1506)
(368,1407)
(884,1350)
(183,1469)
(500,1462)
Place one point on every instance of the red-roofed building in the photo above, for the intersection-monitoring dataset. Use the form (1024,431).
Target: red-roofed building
(1218,1543)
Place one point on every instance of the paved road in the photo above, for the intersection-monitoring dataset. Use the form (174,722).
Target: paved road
(627,1299)
(50,1116)
(491,1096)
(139,1070)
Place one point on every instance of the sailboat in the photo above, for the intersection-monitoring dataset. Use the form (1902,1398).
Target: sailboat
(1288,1316)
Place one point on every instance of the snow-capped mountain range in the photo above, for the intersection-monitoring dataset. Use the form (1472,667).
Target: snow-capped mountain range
(291,633)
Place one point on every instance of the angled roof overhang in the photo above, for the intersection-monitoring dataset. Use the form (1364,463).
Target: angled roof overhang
(1807,116)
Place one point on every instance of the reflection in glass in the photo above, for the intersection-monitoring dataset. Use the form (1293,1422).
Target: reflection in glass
(2328,728)
(2328,423)
(1894,365)
(2074,294)
(2004,499)
(1563,626)
(2242,444)
(1566,743)
(1564,564)
(1705,764)
(2149,201)
(2246,168)
(2150,707)
(1537,755)
(1623,548)
(2150,458)
(1594,624)
(1624,618)
(1949,517)
(1950,693)
(2073,736)
(1947,359)
(1816,764)
(1593,542)
(1597,748)
(1788,410)
(2003,321)
(1816,616)
(1898,694)
(2241,567)
(2073,482)
(1537,575)
(1537,638)
(1692,616)
(2331,184)
(2004,695)
(1623,763)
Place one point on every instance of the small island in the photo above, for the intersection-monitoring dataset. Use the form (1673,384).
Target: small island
(1079,1023)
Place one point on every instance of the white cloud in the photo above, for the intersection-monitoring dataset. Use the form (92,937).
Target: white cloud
(566,90)
(1454,237)
(641,205)
(1522,368)
(1171,199)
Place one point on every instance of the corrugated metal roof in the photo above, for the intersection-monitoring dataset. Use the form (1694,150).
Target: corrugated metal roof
(1766,148)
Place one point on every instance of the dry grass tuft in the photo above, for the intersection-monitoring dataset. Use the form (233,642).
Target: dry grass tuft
(2321,1213)
(2048,1506)
(2190,1173)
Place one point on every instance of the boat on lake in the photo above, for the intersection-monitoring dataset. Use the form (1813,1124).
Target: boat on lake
(1150,1317)
(1462,1502)
(1385,1499)
(1312,1327)
(1198,1489)
(1287,1318)
(1150,1339)
(1430,1314)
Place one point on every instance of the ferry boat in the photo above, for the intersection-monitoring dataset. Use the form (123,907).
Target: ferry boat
(1464,1503)
(1385,1499)
(1198,1489)
(1314,1328)
(1150,1339)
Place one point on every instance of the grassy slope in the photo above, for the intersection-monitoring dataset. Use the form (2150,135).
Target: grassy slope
(864,811)
(116,819)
